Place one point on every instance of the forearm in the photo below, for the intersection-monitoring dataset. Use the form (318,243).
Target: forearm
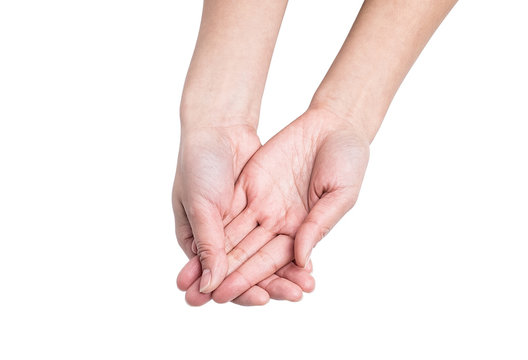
(381,47)
(228,70)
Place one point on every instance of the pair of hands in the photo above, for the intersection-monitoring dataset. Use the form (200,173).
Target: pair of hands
(253,213)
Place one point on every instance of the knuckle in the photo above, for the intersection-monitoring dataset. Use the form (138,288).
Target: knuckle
(242,277)
(238,255)
(266,258)
(206,251)
(229,242)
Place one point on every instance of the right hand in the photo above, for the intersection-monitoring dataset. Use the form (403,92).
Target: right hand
(209,162)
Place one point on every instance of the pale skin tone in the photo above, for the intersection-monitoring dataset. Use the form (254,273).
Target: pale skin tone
(251,210)
(219,117)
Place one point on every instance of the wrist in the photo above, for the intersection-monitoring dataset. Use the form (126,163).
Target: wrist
(230,129)
(200,117)
(322,123)
(362,111)
(236,140)
(350,118)
(219,98)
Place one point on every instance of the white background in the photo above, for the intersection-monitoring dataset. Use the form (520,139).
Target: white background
(431,264)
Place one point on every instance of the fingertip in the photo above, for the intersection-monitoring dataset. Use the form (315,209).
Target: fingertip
(302,249)
(296,295)
(219,299)
(188,274)
(231,288)
(180,283)
(308,284)
(184,281)
(255,296)
(301,257)
(212,276)
(205,282)
(307,260)
(309,266)
(263,299)
(283,289)
(195,298)
(260,298)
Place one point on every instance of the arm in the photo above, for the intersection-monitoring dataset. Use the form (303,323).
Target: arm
(380,49)
(219,115)
(382,45)
(329,143)
(226,77)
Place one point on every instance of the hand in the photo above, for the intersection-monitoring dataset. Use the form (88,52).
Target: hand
(321,157)
(286,283)
(297,186)
(209,162)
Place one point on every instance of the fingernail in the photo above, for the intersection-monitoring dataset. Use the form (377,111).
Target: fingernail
(307,260)
(206,280)
(193,247)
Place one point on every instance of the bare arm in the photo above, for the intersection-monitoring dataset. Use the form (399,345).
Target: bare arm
(231,61)
(380,49)
(382,45)
(219,115)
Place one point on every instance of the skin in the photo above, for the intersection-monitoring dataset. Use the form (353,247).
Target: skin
(219,116)
(205,163)
(298,185)
(321,161)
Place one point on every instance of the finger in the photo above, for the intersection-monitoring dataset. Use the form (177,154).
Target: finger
(183,229)
(322,217)
(237,256)
(255,296)
(270,258)
(299,276)
(192,271)
(247,247)
(281,289)
(309,266)
(239,228)
(208,230)
(194,297)
(194,249)
(189,273)
(274,287)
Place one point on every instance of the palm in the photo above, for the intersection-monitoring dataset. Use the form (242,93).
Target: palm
(287,176)
(276,180)
(208,165)
(316,156)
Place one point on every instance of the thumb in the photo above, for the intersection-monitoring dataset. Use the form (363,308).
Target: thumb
(322,217)
(208,232)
